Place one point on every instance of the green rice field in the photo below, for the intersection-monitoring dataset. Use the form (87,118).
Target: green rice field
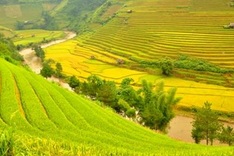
(48,113)
(26,37)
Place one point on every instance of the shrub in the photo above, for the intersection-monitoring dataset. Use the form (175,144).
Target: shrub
(131,112)
(187,62)
(166,66)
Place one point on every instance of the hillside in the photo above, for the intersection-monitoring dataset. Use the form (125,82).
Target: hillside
(47,14)
(38,108)
(15,14)
(182,30)
(157,29)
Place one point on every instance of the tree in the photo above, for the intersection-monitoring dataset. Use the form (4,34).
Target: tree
(73,82)
(127,93)
(46,70)
(8,49)
(58,70)
(102,90)
(107,94)
(205,125)
(49,21)
(227,135)
(157,105)
(92,86)
(166,66)
(39,52)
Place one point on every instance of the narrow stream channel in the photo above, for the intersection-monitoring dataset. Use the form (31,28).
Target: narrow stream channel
(35,63)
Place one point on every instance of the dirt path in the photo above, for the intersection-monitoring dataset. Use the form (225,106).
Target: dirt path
(34,62)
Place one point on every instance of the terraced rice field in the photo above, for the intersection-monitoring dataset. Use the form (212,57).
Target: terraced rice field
(153,30)
(26,37)
(82,66)
(34,106)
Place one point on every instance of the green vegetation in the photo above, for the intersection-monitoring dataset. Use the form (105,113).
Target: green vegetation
(49,119)
(153,104)
(116,36)
(39,52)
(187,62)
(47,70)
(74,82)
(226,135)
(29,38)
(58,70)
(8,50)
(157,105)
(77,13)
(206,125)
(166,66)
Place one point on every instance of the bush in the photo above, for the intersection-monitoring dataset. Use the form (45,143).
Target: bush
(166,66)
(47,71)
(73,82)
(187,62)
(131,112)
(123,105)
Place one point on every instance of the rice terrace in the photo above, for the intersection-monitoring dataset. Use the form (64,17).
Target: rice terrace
(129,77)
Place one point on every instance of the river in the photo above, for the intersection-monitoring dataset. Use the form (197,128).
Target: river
(35,63)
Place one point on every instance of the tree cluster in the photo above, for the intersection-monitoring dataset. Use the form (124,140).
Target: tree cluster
(153,104)
(206,126)
(8,50)
(48,71)
(39,52)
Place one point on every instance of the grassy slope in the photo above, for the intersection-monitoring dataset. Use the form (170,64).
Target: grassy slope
(36,107)
(156,29)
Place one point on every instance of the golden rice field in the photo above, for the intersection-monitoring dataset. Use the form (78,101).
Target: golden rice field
(193,93)
(153,30)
